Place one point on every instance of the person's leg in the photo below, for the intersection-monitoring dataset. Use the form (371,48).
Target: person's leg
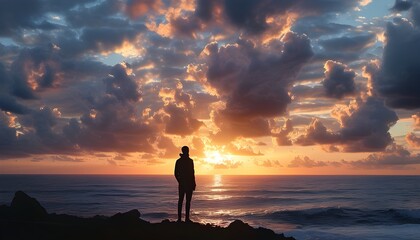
(181,193)
(188,204)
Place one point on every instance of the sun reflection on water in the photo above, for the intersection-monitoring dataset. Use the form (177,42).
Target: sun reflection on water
(217,187)
(217,181)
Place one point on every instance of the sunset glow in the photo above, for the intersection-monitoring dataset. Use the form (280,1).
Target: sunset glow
(254,87)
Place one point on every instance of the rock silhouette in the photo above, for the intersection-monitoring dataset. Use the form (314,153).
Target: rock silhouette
(27,219)
(27,207)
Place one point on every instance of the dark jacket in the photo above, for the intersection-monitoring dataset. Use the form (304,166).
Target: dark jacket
(184,172)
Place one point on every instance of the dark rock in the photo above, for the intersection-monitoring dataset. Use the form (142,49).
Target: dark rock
(27,207)
(238,225)
(126,225)
(130,216)
(166,221)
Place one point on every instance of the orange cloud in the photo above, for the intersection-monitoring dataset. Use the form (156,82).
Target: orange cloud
(137,8)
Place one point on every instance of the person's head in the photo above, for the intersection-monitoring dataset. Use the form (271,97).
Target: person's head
(185,150)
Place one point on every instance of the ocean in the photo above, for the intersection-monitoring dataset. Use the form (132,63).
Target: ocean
(305,207)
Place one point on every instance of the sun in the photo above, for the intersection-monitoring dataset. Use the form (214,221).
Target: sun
(214,157)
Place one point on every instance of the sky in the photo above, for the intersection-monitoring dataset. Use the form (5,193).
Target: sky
(251,86)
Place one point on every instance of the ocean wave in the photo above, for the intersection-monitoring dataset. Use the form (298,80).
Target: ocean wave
(345,216)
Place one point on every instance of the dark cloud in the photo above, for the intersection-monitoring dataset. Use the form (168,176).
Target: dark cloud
(170,150)
(317,133)
(10,104)
(60,93)
(185,26)
(282,138)
(415,14)
(395,157)
(106,38)
(8,135)
(364,127)
(252,14)
(339,80)
(16,14)
(255,84)
(111,123)
(35,70)
(121,85)
(180,121)
(397,77)
(204,9)
(401,5)
(316,27)
(350,43)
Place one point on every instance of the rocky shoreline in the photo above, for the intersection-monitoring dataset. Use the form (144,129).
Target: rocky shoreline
(26,218)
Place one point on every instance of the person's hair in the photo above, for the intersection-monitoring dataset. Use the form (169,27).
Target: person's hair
(185,150)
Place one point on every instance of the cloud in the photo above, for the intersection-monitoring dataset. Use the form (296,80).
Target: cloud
(253,82)
(364,127)
(317,133)
(268,163)
(10,104)
(401,5)
(305,162)
(415,14)
(398,74)
(252,14)
(33,70)
(349,43)
(180,121)
(137,8)
(227,164)
(339,80)
(315,26)
(231,128)
(112,123)
(282,137)
(61,93)
(112,162)
(242,150)
(416,118)
(120,85)
(166,143)
(64,158)
(303,92)
(17,14)
(395,157)
(412,140)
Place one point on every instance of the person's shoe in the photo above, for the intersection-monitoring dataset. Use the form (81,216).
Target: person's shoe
(179,221)
(188,220)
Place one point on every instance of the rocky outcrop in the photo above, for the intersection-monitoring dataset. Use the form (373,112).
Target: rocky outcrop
(25,218)
(27,206)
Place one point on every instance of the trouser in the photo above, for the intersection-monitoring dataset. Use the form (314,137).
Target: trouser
(188,193)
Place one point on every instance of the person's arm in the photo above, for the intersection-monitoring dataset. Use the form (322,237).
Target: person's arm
(193,174)
(176,171)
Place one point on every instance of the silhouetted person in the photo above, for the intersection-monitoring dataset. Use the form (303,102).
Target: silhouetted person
(184,174)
